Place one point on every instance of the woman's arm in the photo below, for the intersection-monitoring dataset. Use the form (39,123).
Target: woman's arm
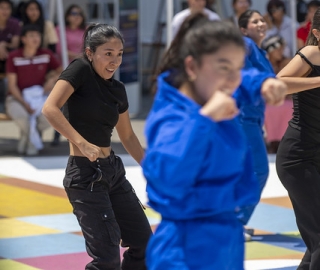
(128,137)
(51,110)
(295,72)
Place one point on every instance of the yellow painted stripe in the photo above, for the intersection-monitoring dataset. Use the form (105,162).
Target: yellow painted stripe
(12,265)
(255,250)
(10,227)
(19,202)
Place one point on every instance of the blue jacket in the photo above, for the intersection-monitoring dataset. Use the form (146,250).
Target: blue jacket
(248,95)
(195,167)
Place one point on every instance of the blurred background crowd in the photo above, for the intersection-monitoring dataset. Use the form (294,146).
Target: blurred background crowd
(28,59)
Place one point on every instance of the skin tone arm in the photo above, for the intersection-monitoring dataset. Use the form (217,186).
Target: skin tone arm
(294,73)
(51,110)
(128,137)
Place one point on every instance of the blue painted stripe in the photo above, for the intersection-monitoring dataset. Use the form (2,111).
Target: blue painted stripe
(44,245)
(271,218)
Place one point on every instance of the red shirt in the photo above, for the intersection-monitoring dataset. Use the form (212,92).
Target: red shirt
(303,32)
(31,71)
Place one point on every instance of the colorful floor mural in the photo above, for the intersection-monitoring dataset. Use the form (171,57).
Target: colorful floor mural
(39,231)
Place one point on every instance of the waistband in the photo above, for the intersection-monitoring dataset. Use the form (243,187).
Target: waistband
(84,161)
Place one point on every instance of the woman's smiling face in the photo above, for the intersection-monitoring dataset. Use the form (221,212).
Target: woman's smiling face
(107,58)
(256,28)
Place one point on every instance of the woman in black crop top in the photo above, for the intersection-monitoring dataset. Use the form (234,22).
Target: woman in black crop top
(103,200)
(298,156)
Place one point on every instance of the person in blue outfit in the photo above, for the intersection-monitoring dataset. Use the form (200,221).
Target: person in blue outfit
(258,86)
(198,165)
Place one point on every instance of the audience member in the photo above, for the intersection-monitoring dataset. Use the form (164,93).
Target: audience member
(33,14)
(29,82)
(75,27)
(194,6)
(9,40)
(239,6)
(75,22)
(301,7)
(304,29)
(276,117)
(281,24)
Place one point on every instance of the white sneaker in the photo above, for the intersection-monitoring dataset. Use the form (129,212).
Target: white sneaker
(247,237)
(22,144)
(31,150)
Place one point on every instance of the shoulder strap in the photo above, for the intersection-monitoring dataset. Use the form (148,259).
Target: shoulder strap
(305,59)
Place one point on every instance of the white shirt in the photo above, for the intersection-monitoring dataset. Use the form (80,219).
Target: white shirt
(182,15)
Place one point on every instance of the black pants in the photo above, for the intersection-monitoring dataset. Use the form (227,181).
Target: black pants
(108,211)
(298,167)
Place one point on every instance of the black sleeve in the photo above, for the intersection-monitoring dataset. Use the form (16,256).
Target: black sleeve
(75,73)
(123,99)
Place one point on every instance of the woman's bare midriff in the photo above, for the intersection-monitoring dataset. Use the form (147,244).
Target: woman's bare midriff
(75,151)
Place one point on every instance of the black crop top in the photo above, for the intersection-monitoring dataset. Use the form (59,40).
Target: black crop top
(94,107)
(306,106)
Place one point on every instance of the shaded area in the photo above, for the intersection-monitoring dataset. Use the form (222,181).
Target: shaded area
(280,240)
(8,148)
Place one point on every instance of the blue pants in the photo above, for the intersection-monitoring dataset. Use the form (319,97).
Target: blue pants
(202,244)
(257,145)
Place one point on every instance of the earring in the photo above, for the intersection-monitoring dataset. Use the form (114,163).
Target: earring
(192,78)
(317,39)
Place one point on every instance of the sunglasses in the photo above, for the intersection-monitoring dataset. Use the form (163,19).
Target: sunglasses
(74,13)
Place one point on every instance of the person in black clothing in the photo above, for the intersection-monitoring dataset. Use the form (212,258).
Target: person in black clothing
(298,156)
(103,200)
(302,10)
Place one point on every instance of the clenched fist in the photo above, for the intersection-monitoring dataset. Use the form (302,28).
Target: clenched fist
(273,91)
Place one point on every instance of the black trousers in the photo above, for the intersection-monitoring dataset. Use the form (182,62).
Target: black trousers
(108,212)
(298,167)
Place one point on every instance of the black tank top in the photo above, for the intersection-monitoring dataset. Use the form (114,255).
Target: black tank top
(306,106)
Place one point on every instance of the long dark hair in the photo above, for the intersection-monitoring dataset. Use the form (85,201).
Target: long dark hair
(312,40)
(245,17)
(98,34)
(26,20)
(197,36)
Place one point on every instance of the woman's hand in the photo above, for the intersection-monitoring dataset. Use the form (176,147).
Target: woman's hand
(220,107)
(274,91)
(28,108)
(90,150)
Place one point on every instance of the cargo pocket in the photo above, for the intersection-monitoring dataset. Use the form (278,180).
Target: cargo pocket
(112,227)
(78,177)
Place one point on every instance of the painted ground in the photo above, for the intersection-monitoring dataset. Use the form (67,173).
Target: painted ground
(38,230)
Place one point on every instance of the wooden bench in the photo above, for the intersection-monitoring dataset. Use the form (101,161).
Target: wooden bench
(4,117)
